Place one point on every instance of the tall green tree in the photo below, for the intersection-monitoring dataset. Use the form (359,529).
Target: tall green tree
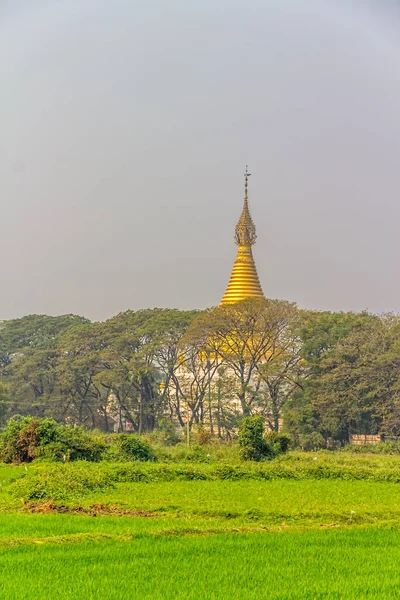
(257,341)
(5,401)
(340,395)
(28,352)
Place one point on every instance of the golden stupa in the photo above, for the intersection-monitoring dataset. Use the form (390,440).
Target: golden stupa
(244,282)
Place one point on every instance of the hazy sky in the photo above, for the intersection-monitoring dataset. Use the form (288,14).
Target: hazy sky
(125,127)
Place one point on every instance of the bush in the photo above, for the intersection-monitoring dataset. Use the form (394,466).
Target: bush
(19,440)
(255,446)
(73,444)
(27,438)
(213,452)
(62,482)
(201,435)
(48,431)
(251,439)
(78,444)
(127,446)
(280,442)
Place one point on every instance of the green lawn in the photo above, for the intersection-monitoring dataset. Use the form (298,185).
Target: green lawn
(248,538)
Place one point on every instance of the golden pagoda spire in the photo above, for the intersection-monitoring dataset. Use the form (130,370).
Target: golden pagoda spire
(244,281)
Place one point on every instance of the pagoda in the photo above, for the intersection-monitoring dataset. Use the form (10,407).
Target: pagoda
(244,282)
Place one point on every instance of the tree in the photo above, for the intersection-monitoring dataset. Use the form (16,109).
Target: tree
(321,335)
(79,361)
(32,377)
(252,443)
(33,331)
(4,402)
(283,369)
(322,331)
(162,334)
(258,341)
(28,350)
(146,346)
(193,378)
(357,382)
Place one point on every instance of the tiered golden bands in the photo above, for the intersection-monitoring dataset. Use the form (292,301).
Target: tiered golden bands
(244,282)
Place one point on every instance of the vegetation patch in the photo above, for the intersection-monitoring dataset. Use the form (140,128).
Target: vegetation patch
(80,479)
(254,445)
(166,533)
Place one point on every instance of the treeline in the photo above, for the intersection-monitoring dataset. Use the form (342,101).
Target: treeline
(320,376)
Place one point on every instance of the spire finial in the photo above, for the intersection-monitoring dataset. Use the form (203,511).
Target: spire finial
(246,182)
(245,233)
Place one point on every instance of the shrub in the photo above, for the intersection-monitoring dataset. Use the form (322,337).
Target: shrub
(27,438)
(62,482)
(251,439)
(280,442)
(54,452)
(78,444)
(18,440)
(127,446)
(201,435)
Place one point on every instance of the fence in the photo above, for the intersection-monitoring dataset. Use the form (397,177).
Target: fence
(360,440)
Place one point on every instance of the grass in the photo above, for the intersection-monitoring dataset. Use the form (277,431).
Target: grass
(63,482)
(304,527)
(209,506)
(8,472)
(325,565)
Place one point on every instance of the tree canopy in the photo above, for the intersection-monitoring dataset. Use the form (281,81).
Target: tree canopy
(320,376)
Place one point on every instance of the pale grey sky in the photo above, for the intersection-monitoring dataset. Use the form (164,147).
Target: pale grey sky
(125,127)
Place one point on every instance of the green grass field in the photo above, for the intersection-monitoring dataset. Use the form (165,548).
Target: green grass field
(309,536)
(310,565)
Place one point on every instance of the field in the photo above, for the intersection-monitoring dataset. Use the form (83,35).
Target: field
(304,527)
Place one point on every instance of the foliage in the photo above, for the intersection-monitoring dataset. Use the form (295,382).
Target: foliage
(251,439)
(74,444)
(280,442)
(311,441)
(19,440)
(388,447)
(28,438)
(258,340)
(79,479)
(201,435)
(166,434)
(32,331)
(130,447)
(352,383)
(255,445)
(62,483)
(318,376)
(4,400)
(214,451)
